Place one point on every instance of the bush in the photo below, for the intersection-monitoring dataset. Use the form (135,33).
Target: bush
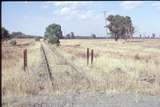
(93,36)
(13,42)
(137,57)
(37,39)
(52,40)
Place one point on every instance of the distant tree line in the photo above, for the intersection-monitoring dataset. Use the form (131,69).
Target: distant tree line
(153,36)
(120,27)
(72,36)
(6,35)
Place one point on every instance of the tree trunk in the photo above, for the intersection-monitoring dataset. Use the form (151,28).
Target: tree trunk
(116,37)
(126,36)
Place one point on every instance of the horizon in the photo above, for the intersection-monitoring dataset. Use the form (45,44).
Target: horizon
(81,17)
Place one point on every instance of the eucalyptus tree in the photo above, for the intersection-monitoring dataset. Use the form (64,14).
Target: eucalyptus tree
(72,35)
(120,26)
(53,33)
(93,36)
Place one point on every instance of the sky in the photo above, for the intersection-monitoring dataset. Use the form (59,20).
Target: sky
(81,17)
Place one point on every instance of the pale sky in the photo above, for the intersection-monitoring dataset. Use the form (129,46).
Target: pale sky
(81,17)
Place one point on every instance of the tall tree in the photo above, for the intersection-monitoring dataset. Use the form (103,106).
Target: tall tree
(93,36)
(153,35)
(140,36)
(72,35)
(120,26)
(53,33)
(18,34)
(68,36)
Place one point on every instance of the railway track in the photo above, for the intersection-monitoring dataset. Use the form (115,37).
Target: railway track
(78,78)
(73,66)
(48,67)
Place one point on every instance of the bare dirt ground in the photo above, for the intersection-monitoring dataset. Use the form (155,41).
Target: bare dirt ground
(70,83)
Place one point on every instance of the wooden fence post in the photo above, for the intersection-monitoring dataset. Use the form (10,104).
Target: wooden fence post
(25,58)
(87,56)
(92,56)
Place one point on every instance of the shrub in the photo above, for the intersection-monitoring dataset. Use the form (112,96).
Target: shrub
(137,57)
(52,40)
(13,42)
(37,39)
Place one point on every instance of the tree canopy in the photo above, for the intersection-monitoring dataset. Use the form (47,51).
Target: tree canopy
(53,33)
(5,33)
(93,36)
(72,35)
(120,26)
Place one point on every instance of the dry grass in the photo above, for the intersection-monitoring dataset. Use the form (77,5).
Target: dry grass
(120,65)
(15,81)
